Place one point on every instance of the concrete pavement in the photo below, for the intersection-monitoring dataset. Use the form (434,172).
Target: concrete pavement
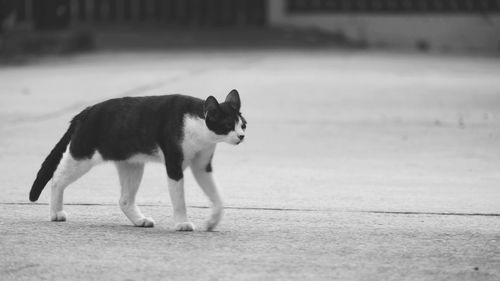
(357,166)
(98,243)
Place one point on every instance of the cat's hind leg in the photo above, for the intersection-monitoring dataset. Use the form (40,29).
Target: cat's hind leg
(68,171)
(130,179)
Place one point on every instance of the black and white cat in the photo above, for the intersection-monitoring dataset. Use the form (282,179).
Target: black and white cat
(176,130)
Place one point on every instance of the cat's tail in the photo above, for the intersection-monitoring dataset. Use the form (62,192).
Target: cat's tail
(50,164)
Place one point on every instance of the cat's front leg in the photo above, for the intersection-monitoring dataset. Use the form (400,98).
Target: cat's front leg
(173,163)
(202,172)
(176,191)
(207,184)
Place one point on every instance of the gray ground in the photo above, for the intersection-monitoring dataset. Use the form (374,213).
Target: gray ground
(357,166)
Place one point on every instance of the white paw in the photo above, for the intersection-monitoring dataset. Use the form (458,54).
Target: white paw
(145,222)
(184,226)
(58,216)
(214,219)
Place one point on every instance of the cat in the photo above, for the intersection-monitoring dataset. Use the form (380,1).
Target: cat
(178,130)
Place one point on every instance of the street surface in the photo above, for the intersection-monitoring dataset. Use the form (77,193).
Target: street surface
(356,166)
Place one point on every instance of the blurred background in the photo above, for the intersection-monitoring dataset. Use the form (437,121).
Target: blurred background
(71,25)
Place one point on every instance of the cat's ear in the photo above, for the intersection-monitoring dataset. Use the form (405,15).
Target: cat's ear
(211,104)
(233,98)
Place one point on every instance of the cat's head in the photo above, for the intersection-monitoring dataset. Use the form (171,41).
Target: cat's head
(224,119)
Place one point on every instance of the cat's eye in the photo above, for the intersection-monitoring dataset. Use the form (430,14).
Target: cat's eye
(244,126)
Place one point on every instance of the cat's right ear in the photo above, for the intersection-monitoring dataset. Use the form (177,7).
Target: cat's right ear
(211,104)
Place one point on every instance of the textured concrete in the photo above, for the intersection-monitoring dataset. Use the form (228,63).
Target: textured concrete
(357,166)
(97,243)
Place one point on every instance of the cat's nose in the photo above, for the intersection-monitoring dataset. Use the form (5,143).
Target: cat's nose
(241,137)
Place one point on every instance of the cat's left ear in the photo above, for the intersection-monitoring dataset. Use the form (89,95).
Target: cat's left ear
(211,105)
(233,98)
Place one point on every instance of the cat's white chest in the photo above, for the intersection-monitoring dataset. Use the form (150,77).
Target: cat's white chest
(195,138)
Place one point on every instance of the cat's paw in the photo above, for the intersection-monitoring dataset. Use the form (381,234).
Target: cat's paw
(58,216)
(214,219)
(184,226)
(145,222)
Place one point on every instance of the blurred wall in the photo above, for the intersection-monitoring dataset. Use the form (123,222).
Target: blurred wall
(61,14)
(471,31)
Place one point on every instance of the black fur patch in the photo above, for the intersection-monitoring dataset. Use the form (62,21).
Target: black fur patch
(209,168)
(121,128)
(223,120)
(49,165)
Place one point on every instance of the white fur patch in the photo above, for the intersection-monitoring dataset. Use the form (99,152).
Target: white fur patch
(239,128)
(234,136)
(197,137)
(157,156)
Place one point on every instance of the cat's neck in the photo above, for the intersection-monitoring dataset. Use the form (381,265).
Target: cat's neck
(196,132)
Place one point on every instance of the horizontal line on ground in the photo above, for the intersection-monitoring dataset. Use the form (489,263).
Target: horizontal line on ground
(158,205)
(282,209)
(432,213)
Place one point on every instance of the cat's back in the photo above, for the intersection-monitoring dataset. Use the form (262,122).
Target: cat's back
(150,103)
(130,108)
